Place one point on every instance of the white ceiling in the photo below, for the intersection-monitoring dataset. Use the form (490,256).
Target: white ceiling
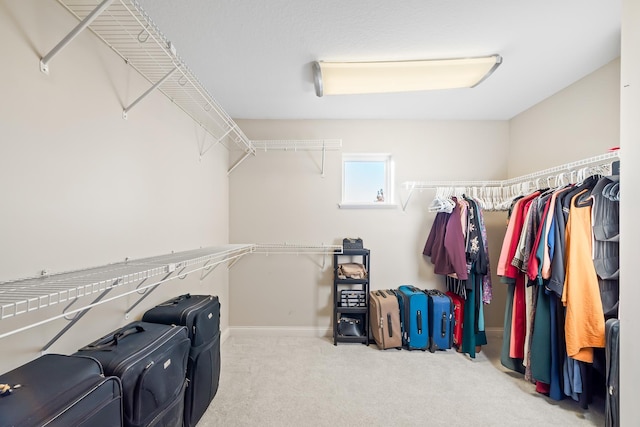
(255,57)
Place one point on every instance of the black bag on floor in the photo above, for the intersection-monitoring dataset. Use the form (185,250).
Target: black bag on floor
(151,361)
(201,315)
(56,390)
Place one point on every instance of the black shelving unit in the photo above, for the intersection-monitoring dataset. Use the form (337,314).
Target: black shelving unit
(361,256)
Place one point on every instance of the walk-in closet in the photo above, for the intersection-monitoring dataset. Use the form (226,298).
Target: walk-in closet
(154,150)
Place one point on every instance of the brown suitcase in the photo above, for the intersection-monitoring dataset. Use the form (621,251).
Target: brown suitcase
(384,316)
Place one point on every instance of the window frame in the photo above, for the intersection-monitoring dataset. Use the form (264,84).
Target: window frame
(389,200)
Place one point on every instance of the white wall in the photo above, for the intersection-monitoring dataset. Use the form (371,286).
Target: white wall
(82,187)
(630,229)
(280,197)
(578,122)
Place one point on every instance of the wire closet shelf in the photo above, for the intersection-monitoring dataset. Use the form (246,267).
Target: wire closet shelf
(21,296)
(512,187)
(27,295)
(125,27)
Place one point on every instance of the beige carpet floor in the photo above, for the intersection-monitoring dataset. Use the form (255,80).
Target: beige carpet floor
(300,381)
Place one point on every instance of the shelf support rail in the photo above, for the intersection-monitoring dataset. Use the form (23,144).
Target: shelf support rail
(82,25)
(75,318)
(125,112)
(218,141)
(145,293)
(236,164)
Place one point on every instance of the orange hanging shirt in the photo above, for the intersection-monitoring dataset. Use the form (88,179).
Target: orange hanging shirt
(584,323)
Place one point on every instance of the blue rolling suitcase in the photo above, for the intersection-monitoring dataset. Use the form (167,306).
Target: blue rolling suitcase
(414,316)
(440,320)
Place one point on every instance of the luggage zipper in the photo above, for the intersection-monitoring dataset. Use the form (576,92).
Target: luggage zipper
(187,311)
(161,340)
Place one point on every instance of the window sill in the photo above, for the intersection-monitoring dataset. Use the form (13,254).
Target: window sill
(367,205)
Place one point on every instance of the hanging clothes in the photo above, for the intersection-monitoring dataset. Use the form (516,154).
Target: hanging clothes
(561,270)
(457,247)
(446,244)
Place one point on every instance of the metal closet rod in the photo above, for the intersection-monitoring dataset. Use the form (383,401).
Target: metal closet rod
(289,248)
(297,144)
(566,168)
(505,183)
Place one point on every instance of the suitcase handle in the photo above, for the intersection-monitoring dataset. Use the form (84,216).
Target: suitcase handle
(419,319)
(176,300)
(389,326)
(444,325)
(382,294)
(113,341)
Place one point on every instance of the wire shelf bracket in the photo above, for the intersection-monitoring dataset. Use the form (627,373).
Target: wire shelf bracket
(72,321)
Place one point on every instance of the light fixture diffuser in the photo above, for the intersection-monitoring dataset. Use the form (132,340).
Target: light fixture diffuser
(338,78)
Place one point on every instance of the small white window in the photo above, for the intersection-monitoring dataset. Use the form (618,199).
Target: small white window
(367,181)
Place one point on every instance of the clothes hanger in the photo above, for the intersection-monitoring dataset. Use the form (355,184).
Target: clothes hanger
(437,203)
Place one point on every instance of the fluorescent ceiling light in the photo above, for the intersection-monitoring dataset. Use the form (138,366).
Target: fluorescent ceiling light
(337,78)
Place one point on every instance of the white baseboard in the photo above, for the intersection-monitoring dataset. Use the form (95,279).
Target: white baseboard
(285,331)
(292,331)
(224,335)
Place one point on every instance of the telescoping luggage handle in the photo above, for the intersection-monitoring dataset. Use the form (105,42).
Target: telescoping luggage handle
(389,291)
(113,340)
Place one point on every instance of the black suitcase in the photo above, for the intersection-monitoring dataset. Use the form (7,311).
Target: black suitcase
(612,351)
(56,390)
(201,315)
(151,361)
